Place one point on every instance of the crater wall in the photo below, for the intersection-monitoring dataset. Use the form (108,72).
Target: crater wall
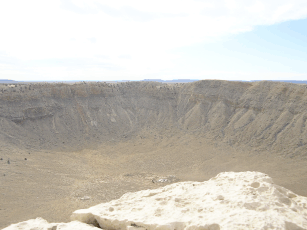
(260,115)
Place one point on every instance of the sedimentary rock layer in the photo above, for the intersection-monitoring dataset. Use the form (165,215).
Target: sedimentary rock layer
(259,115)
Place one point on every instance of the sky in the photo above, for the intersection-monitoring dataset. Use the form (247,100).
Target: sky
(99,40)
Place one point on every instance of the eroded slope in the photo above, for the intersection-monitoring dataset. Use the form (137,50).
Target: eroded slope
(262,115)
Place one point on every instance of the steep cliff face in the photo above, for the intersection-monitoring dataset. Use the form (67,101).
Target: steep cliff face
(261,115)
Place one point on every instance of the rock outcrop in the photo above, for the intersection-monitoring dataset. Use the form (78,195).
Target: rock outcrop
(244,200)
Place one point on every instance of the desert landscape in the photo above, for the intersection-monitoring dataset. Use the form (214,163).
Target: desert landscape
(67,147)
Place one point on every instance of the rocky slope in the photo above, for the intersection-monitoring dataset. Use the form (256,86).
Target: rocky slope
(261,115)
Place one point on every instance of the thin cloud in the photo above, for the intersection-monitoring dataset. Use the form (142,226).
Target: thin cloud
(69,5)
(93,40)
(127,13)
(125,56)
(147,32)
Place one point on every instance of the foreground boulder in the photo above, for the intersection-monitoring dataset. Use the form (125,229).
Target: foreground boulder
(244,200)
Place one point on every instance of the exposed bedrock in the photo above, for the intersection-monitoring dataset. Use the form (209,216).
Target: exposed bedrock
(263,115)
(241,200)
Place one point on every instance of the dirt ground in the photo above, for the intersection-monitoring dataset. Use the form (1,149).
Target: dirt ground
(52,184)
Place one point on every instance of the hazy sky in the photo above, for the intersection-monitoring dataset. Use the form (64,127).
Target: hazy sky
(162,39)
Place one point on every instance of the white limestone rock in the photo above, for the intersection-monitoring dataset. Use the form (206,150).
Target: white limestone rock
(244,200)
(41,224)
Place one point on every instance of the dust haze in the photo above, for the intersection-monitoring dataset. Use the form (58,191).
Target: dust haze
(70,146)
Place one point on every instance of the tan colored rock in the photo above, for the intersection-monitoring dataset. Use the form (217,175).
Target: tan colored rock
(245,200)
